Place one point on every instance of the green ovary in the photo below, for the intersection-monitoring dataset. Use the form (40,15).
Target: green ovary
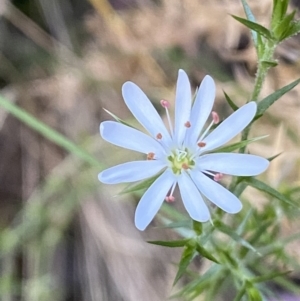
(180,160)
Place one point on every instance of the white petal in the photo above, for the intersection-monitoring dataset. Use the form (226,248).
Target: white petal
(152,200)
(192,199)
(233,164)
(216,193)
(201,109)
(182,106)
(130,138)
(131,171)
(143,110)
(230,127)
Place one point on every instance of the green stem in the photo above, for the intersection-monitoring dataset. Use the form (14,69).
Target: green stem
(48,132)
(262,70)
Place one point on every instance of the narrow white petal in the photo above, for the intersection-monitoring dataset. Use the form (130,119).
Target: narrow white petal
(143,110)
(182,106)
(216,193)
(230,127)
(233,164)
(192,199)
(152,200)
(131,171)
(201,109)
(130,138)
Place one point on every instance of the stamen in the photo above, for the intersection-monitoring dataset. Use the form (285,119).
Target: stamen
(209,173)
(170,199)
(159,136)
(218,177)
(150,156)
(187,124)
(201,144)
(215,120)
(185,166)
(215,176)
(215,117)
(165,104)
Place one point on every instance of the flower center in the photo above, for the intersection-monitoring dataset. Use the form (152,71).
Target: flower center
(180,159)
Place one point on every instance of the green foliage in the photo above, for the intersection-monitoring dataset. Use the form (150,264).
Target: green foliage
(48,132)
(255,27)
(171,244)
(228,231)
(141,185)
(233,106)
(205,253)
(197,227)
(238,257)
(283,25)
(243,251)
(279,11)
(264,104)
(268,189)
(251,18)
(117,118)
(234,146)
(187,256)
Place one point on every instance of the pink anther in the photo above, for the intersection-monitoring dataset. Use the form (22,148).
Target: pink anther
(201,144)
(218,177)
(150,156)
(170,199)
(215,117)
(164,103)
(187,124)
(185,166)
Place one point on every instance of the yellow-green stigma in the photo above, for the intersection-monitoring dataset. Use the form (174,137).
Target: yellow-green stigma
(180,159)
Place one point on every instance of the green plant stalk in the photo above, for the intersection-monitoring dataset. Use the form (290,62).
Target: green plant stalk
(262,70)
(48,132)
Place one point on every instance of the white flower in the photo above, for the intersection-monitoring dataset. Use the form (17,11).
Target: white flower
(181,156)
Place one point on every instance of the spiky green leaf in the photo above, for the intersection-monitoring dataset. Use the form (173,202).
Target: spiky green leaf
(255,26)
(279,10)
(139,186)
(240,294)
(269,276)
(49,133)
(170,244)
(274,157)
(231,233)
(197,227)
(234,146)
(233,106)
(254,294)
(250,17)
(117,118)
(293,29)
(268,189)
(264,104)
(282,30)
(197,286)
(179,224)
(185,260)
(205,253)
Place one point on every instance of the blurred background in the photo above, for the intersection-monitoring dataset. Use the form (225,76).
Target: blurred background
(63,235)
